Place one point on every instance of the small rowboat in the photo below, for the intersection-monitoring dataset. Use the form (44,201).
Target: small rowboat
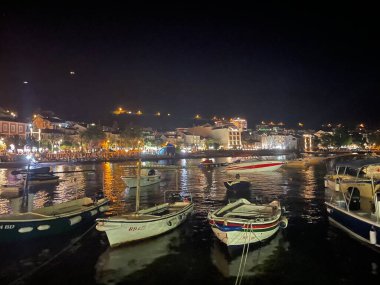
(242,222)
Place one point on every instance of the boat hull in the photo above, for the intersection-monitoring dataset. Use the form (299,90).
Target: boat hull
(240,234)
(357,226)
(144,180)
(30,226)
(120,231)
(255,166)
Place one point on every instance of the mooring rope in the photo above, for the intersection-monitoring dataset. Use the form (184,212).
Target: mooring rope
(71,244)
(245,252)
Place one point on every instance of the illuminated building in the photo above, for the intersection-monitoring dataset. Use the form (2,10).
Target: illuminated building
(277,141)
(240,123)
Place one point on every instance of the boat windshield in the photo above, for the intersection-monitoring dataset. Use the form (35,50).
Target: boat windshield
(351,171)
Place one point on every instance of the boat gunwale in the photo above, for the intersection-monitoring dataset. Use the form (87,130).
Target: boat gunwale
(119,219)
(51,217)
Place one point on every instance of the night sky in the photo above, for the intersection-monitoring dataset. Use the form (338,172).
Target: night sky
(282,63)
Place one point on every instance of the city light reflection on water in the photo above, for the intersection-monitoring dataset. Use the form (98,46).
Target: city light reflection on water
(191,253)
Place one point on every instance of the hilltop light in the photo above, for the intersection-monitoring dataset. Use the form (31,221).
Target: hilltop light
(197,116)
(158,114)
(300,124)
(168,114)
(361,125)
(139,112)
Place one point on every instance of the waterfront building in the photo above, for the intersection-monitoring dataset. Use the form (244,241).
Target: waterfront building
(44,122)
(229,137)
(240,123)
(9,128)
(279,141)
(191,141)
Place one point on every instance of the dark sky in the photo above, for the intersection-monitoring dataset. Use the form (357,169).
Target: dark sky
(283,63)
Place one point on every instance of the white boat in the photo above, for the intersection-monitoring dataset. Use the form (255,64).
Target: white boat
(37,176)
(242,222)
(362,174)
(146,178)
(353,204)
(250,166)
(146,223)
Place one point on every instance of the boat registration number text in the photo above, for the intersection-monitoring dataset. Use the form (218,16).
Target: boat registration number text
(141,228)
(7,227)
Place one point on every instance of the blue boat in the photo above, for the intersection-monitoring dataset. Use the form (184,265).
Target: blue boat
(52,220)
(356,208)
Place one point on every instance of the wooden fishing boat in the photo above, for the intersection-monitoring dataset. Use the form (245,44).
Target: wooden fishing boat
(51,220)
(37,176)
(242,222)
(146,223)
(146,178)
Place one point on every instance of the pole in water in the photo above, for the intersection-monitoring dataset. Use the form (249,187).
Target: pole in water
(138,185)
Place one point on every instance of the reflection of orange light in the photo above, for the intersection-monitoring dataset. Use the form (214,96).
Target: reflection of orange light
(107,180)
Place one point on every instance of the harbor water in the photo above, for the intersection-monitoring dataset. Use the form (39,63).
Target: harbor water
(308,251)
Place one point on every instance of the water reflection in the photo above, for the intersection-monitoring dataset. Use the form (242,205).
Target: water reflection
(116,264)
(228,262)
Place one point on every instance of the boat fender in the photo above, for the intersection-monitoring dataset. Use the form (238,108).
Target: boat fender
(43,227)
(337,184)
(103,208)
(25,230)
(372,235)
(75,220)
(326,183)
(94,212)
(283,223)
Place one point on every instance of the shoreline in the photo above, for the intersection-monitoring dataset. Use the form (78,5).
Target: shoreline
(199,155)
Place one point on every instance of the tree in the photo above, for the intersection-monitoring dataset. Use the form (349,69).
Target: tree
(374,139)
(326,140)
(131,137)
(93,137)
(341,138)
(358,139)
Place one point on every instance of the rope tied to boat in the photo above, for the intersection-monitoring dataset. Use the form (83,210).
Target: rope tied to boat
(243,261)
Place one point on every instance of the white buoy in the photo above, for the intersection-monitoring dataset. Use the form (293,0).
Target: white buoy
(372,236)
(337,185)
